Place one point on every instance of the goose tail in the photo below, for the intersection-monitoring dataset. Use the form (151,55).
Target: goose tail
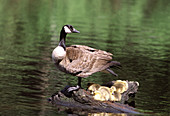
(115,64)
(112,72)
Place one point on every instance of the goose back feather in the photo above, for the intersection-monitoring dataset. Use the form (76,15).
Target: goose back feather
(83,60)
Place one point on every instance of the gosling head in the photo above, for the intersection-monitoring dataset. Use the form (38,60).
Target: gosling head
(93,87)
(112,90)
(70,29)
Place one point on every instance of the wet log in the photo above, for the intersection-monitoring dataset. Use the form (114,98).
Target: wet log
(82,100)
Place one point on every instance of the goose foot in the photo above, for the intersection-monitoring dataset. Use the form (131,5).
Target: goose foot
(70,89)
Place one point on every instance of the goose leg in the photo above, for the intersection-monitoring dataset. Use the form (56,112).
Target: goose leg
(79,81)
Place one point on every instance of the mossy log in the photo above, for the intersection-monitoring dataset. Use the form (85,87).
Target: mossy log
(82,100)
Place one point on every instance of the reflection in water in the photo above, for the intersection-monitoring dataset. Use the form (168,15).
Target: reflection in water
(23,76)
(136,32)
(106,114)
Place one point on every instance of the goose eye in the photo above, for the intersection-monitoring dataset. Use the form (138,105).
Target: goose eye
(71,27)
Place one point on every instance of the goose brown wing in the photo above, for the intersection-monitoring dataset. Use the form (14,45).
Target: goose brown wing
(85,50)
(83,60)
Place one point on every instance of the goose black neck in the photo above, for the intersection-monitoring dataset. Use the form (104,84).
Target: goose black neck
(62,39)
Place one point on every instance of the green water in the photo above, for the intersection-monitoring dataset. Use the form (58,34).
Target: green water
(135,31)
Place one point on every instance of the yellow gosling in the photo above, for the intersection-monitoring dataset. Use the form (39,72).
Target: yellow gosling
(105,93)
(93,87)
(97,96)
(121,86)
(116,96)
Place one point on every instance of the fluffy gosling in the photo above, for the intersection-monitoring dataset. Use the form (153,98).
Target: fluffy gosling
(121,86)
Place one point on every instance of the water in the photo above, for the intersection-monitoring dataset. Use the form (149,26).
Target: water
(136,32)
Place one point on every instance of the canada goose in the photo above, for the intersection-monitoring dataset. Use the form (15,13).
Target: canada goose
(80,60)
(121,86)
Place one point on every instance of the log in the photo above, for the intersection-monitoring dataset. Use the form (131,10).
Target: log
(82,101)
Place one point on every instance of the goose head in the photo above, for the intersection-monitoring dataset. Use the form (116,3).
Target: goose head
(66,29)
(70,29)
(60,51)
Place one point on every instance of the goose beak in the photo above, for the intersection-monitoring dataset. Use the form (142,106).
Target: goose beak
(75,31)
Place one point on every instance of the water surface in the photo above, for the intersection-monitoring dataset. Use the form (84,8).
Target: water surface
(136,32)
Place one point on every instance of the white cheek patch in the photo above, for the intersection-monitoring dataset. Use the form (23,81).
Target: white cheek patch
(67,30)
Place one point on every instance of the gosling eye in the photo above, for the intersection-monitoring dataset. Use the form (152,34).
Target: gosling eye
(92,92)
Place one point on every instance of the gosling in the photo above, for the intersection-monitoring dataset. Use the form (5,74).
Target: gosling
(121,86)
